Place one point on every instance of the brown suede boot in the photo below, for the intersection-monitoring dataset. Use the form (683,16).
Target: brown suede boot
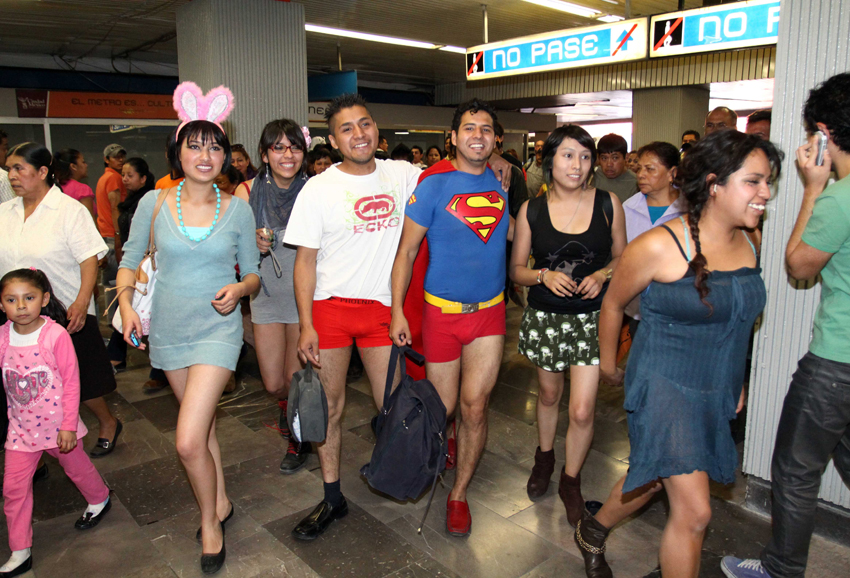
(590,537)
(569,489)
(541,473)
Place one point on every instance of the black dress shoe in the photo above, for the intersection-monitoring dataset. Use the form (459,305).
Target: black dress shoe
(25,567)
(104,447)
(223,522)
(40,474)
(319,519)
(295,458)
(87,521)
(212,563)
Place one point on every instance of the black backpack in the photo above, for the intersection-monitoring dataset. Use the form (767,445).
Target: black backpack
(411,449)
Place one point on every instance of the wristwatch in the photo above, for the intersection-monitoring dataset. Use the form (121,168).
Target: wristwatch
(608,274)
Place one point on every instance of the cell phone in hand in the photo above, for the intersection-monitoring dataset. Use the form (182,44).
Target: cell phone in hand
(135,338)
(821,148)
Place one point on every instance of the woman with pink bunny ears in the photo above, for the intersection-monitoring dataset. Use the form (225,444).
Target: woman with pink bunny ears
(195,336)
(271,194)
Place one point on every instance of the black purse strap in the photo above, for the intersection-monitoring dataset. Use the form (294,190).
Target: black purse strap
(395,354)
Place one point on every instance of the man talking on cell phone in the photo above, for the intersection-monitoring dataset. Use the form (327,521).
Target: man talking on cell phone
(815,420)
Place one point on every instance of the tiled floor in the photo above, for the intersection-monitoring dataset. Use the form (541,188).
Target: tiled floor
(150,531)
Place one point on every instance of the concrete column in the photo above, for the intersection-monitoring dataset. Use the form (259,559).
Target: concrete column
(665,113)
(258,49)
(812,47)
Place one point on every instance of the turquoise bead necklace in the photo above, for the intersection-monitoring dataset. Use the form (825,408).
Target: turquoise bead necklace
(215,219)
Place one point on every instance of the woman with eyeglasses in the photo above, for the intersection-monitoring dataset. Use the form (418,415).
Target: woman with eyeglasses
(242,162)
(274,315)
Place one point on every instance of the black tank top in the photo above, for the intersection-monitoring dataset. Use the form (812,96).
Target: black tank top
(575,255)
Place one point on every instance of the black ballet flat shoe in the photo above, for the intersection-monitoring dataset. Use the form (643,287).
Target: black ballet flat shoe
(25,567)
(104,447)
(223,522)
(319,519)
(87,521)
(212,563)
(40,474)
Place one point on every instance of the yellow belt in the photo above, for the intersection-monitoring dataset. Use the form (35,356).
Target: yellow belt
(447,306)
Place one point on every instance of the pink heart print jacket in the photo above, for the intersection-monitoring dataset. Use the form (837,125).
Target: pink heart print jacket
(42,385)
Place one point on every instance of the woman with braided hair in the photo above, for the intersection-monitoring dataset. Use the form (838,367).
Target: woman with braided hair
(701,290)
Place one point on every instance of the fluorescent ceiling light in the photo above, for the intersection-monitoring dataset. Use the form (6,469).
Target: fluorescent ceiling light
(610,18)
(566,7)
(384,39)
(402,132)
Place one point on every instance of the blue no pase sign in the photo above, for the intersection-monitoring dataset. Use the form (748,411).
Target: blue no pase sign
(621,41)
(738,25)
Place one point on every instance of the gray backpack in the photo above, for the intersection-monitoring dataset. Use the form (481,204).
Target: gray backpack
(307,411)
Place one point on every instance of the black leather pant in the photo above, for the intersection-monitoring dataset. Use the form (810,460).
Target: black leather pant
(815,424)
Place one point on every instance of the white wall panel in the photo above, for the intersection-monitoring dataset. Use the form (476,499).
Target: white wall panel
(813,46)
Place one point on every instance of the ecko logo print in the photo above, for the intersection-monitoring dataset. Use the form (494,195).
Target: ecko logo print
(375,207)
(374,213)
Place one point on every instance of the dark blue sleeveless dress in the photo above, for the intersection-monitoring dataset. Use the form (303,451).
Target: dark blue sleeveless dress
(685,373)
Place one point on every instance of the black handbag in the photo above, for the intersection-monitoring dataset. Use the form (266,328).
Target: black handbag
(410,452)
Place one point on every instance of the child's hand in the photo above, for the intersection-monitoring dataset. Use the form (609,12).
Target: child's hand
(67,440)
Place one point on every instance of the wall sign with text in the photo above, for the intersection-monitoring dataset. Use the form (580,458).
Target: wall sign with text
(723,27)
(594,45)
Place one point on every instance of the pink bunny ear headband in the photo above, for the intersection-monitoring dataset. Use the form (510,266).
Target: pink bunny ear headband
(191,104)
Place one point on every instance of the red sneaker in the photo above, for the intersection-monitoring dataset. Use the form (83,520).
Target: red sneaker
(458,518)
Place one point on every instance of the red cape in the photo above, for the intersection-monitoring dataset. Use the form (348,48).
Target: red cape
(414,301)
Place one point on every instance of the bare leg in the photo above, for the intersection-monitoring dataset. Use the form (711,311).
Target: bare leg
(620,506)
(446,380)
(690,513)
(177,380)
(584,383)
(202,389)
(481,360)
(548,398)
(277,354)
(106,421)
(376,362)
(332,375)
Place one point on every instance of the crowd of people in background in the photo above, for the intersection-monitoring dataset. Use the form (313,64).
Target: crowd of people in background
(340,248)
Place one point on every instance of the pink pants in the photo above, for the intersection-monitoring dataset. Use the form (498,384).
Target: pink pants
(17,488)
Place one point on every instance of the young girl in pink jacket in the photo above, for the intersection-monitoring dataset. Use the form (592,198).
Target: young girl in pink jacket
(42,382)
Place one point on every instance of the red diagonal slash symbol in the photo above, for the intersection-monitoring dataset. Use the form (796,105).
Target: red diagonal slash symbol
(669,32)
(626,37)
(480,54)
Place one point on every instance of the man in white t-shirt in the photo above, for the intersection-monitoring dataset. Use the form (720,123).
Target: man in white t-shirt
(346,223)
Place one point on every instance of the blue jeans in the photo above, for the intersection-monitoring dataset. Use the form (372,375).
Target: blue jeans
(814,425)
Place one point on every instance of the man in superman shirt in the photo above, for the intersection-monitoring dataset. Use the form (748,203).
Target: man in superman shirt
(461,208)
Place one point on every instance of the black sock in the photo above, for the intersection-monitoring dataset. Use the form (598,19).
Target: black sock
(333,495)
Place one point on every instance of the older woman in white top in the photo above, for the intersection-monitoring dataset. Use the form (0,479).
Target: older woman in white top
(48,230)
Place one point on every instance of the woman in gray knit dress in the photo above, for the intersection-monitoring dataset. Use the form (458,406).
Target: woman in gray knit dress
(272,194)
